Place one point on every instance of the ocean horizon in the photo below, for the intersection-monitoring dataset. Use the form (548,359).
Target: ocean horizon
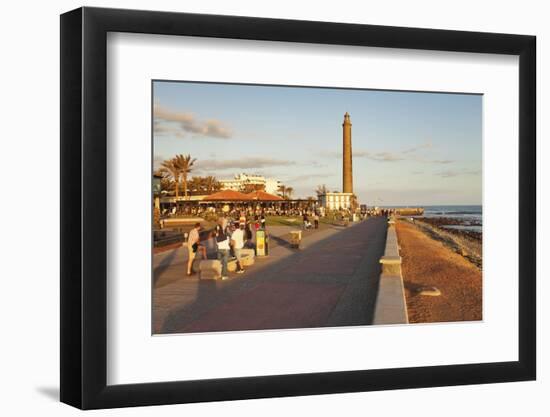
(470,215)
(474,208)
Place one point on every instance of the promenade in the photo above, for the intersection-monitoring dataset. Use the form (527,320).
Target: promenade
(330,281)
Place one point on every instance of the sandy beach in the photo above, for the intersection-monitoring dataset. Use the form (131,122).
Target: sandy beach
(429,263)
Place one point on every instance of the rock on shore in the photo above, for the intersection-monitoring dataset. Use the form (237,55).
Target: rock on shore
(466,243)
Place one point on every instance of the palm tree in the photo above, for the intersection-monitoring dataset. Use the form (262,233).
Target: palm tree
(250,188)
(211,184)
(282,190)
(167,185)
(195,185)
(321,190)
(289,191)
(185,164)
(171,168)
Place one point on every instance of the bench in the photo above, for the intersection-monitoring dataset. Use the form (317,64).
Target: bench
(209,268)
(247,259)
(212,268)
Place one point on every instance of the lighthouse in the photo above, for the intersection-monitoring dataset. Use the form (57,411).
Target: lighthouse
(347,177)
(346,199)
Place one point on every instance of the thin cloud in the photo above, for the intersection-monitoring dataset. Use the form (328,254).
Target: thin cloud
(386,156)
(170,122)
(331,154)
(316,164)
(375,156)
(456,173)
(425,145)
(302,178)
(167,129)
(437,161)
(473,172)
(242,163)
(448,174)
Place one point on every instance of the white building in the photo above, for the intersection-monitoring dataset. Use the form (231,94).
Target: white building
(238,182)
(336,201)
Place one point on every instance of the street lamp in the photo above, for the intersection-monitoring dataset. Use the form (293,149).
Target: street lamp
(156,198)
(156,185)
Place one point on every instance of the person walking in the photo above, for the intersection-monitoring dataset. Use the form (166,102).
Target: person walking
(222,241)
(237,242)
(307,224)
(249,243)
(262,221)
(222,222)
(193,245)
(316,220)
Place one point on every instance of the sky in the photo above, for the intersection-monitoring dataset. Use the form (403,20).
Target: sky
(409,148)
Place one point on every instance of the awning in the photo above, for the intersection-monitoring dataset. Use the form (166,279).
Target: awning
(227,195)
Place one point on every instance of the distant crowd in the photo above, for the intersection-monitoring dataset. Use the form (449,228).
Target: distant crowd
(249,212)
(235,212)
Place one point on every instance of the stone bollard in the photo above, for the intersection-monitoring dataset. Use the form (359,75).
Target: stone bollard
(391,265)
(295,238)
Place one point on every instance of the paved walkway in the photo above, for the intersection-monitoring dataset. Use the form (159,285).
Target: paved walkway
(330,281)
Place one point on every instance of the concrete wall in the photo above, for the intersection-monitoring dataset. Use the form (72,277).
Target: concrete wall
(391,306)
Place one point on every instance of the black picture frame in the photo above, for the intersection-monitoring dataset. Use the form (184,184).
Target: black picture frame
(84,207)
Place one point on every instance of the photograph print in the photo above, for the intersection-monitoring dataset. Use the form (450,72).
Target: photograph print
(293,207)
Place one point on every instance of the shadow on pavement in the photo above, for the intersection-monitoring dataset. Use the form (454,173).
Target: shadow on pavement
(163,266)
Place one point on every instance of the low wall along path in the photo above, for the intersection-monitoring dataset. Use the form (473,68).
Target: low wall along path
(391,306)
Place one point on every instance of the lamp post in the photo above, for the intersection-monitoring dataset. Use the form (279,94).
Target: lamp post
(156,198)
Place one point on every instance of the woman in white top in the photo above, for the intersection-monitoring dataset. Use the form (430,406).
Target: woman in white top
(237,241)
(222,241)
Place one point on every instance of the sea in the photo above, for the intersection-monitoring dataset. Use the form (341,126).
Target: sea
(470,217)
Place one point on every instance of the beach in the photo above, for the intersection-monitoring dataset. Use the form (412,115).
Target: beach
(436,259)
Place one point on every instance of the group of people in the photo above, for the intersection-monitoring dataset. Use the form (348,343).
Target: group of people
(230,237)
(201,210)
(307,221)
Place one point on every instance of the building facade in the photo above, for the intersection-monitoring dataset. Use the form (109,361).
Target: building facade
(240,181)
(336,201)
